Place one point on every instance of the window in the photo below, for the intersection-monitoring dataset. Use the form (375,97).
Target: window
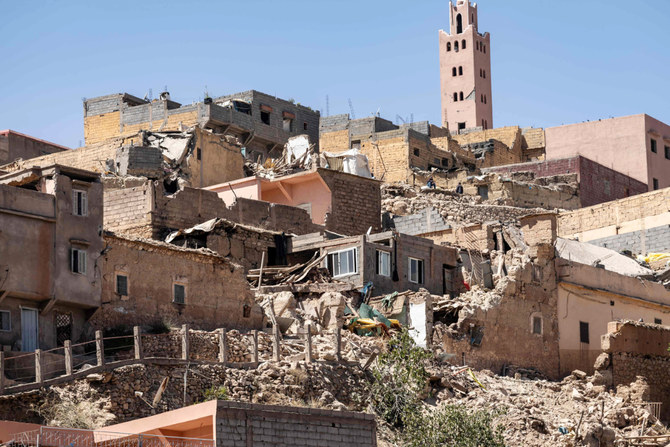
(463,44)
(288,124)
(484,73)
(460,71)
(417,152)
(655,184)
(658,321)
(383,263)
(453,71)
(122,285)
(482,98)
(178,293)
(415,273)
(667,152)
(459,24)
(199,154)
(461,126)
(5,321)
(63,328)
(484,49)
(356,144)
(455,97)
(79,203)
(460,96)
(456,46)
(537,324)
(246,311)
(77,260)
(265,117)
(343,262)
(653,146)
(448,46)
(445,162)
(584,332)
(304,126)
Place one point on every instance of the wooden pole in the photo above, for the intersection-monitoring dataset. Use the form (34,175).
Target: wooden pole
(99,348)
(67,348)
(38,366)
(185,346)
(254,353)
(223,346)
(276,344)
(137,341)
(260,274)
(308,345)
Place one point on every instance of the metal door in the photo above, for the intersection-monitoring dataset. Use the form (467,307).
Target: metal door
(29,330)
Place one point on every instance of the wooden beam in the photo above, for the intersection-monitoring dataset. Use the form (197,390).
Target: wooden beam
(3,296)
(49,306)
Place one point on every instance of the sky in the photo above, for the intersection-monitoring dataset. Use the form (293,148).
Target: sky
(553,62)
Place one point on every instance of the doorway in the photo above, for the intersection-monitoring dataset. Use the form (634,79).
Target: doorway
(29,329)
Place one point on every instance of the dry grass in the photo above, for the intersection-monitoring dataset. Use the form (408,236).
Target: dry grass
(77,406)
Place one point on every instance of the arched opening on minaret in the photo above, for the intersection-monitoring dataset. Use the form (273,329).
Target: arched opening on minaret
(459,24)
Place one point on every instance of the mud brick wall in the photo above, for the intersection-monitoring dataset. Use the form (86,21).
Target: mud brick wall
(356,203)
(240,424)
(90,158)
(637,349)
(647,210)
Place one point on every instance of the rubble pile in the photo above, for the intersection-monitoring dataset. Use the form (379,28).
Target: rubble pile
(576,411)
(455,209)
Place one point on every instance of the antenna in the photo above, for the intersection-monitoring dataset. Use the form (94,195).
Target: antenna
(378,110)
(399,118)
(411,118)
(351,109)
(327,106)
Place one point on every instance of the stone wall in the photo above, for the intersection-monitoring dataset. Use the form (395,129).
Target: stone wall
(289,426)
(637,349)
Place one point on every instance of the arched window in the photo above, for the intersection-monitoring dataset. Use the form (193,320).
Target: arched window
(480,72)
(456,46)
(455,97)
(448,46)
(459,24)
(463,44)
(477,45)
(481,98)
(484,74)
(484,49)
(460,96)
(453,71)
(460,71)
(482,123)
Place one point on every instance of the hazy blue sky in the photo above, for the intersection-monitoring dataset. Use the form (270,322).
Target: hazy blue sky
(554,62)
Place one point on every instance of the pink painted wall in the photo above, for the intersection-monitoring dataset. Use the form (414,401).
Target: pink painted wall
(246,188)
(474,60)
(622,144)
(9,428)
(302,189)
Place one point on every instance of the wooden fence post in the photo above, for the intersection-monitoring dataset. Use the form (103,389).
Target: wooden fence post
(2,372)
(67,348)
(99,348)
(308,345)
(254,353)
(338,344)
(185,346)
(38,366)
(223,346)
(137,341)
(276,343)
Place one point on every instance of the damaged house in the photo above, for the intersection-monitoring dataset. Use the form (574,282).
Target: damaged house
(50,268)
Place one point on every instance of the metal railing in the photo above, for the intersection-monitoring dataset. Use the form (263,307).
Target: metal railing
(72,437)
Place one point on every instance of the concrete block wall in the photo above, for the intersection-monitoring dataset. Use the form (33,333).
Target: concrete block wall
(356,203)
(427,221)
(652,240)
(240,424)
(128,208)
(139,161)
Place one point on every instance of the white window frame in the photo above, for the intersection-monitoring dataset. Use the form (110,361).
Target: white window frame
(78,210)
(380,266)
(185,286)
(420,271)
(337,266)
(81,260)
(8,312)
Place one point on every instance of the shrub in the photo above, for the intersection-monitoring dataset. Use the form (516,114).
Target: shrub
(215,393)
(77,406)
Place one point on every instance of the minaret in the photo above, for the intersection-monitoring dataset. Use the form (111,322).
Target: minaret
(465,71)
